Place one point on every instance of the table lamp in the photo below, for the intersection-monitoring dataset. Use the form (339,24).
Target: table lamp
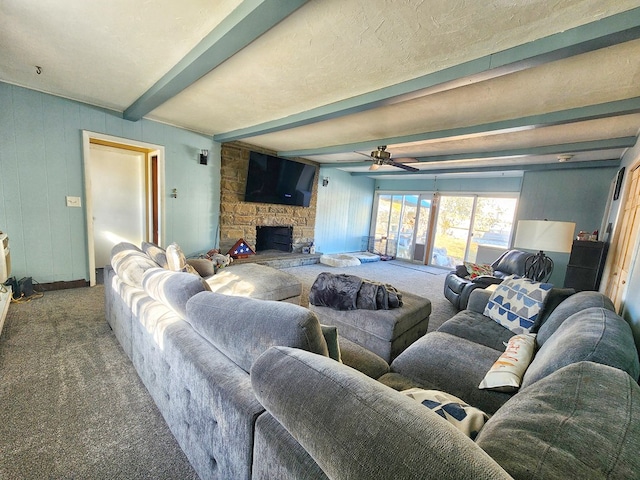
(543,235)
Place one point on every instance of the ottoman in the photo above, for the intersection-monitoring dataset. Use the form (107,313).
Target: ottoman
(384,332)
(256,281)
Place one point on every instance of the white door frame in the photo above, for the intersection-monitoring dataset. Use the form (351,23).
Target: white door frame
(154,150)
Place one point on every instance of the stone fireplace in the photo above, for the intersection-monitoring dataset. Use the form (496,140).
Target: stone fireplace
(240,219)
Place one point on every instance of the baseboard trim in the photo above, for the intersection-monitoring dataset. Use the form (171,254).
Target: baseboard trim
(62,285)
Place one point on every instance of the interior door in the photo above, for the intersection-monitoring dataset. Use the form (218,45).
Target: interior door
(118,195)
(623,244)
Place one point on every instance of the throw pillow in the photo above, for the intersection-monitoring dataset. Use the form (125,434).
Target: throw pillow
(330,334)
(506,373)
(156,253)
(477,269)
(516,303)
(177,262)
(469,420)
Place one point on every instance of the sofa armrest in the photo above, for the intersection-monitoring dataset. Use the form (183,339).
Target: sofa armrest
(363,360)
(478,300)
(355,427)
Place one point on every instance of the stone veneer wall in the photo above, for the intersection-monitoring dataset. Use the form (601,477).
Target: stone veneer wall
(239,219)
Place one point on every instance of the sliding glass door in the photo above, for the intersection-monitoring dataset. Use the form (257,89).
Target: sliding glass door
(401,226)
(473,228)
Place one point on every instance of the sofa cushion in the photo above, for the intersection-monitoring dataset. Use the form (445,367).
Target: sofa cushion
(255,281)
(583,421)
(430,361)
(173,289)
(506,374)
(477,328)
(130,263)
(516,303)
(242,327)
(568,307)
(554,299)
(155,253)
(469,420)
(594,334)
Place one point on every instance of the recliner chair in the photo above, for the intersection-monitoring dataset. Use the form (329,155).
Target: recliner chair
(457,288)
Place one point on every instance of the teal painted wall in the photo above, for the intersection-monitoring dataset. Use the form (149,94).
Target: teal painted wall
(578,196)
(344,212)
(41,162)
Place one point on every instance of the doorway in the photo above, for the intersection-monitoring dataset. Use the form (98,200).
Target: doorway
(622,250)
(124,188)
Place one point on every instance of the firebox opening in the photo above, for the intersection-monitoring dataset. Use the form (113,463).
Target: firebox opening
(274,238)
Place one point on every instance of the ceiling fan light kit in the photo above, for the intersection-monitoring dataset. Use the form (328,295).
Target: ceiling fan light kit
(382,157)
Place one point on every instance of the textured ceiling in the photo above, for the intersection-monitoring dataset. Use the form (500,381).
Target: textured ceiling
(323,61)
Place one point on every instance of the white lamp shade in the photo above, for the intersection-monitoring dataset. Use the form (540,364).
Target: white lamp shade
(545,235)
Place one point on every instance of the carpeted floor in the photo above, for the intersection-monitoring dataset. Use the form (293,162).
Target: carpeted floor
(72,405)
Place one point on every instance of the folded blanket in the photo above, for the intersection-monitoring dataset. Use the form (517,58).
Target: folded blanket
(349,292)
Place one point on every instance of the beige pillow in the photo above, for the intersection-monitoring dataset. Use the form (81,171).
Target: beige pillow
(469,420)
(506,374)
(177,262)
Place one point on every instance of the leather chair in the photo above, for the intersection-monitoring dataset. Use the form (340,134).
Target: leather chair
(457,288)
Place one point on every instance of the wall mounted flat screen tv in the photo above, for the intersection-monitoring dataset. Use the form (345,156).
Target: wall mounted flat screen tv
(278,180)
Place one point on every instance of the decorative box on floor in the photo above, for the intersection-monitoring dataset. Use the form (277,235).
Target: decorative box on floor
(384,332)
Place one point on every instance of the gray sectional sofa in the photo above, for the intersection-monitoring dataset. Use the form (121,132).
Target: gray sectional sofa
(193,348)
(576,415)
(254,388)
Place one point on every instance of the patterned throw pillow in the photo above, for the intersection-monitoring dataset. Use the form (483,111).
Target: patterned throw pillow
(469,420)
(516,303)
(506,373)
(477,269)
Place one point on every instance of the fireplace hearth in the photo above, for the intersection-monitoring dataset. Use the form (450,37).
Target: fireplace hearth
(274,238)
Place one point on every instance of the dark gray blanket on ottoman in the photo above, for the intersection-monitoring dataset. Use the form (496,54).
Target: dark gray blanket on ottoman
(349,292)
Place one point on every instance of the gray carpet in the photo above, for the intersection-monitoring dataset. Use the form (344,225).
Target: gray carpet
(72,405)
(421,280)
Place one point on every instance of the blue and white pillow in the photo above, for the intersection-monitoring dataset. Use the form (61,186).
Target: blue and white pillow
(516,303)
(469,420)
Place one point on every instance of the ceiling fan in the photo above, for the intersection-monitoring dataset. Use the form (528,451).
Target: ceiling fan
(382,157)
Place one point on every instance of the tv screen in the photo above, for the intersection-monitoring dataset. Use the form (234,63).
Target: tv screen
(278,180)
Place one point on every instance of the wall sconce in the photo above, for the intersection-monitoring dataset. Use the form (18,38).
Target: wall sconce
(325,181)
(204,156)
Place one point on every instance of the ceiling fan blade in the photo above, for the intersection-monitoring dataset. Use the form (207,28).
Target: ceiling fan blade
(408,168)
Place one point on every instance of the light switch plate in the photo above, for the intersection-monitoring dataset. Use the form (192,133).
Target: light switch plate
(73,201)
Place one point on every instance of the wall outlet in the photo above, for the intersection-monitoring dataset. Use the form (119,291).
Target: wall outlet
(73,201)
